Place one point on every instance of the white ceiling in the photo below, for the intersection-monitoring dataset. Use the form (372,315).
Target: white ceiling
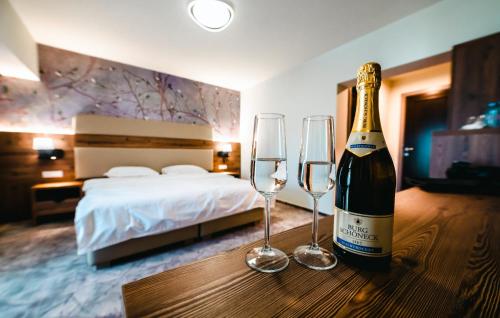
(265,38)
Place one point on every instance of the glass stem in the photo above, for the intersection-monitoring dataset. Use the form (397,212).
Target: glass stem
(315,224)
(267,217)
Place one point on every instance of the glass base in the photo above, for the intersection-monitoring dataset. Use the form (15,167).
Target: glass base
(315,257)
(267,260)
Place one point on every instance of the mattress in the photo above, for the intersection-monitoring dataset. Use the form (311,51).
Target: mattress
(115,210)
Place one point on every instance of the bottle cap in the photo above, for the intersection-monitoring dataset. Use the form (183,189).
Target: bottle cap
(369,75)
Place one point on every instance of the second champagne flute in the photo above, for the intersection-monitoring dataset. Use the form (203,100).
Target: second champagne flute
(317,177)
(268,176)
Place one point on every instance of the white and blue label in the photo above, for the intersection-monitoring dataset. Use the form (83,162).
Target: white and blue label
(364,143)
(367,235)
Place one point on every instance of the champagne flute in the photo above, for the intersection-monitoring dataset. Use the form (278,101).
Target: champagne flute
(317,177)
(268,176)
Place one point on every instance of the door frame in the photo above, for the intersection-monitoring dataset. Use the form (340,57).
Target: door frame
(343,103)
(432,93)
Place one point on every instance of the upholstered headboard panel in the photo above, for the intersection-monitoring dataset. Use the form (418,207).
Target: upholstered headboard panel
(105,125)
(104,142)
(95,161)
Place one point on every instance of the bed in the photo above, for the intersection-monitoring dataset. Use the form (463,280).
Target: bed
(118,217)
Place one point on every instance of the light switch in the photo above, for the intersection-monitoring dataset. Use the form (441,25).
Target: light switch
(52,174)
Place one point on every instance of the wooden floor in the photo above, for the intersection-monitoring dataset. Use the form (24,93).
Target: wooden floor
(445,263)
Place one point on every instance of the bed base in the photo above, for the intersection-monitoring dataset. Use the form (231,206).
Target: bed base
(105,256)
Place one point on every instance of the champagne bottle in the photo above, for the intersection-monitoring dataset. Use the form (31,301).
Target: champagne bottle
(366,182)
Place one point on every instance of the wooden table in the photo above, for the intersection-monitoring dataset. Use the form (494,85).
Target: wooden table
(445,262)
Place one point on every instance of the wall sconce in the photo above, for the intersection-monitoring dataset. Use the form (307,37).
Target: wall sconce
(45,148)
(223,151)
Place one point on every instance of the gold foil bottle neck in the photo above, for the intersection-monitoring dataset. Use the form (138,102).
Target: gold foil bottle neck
(369,75)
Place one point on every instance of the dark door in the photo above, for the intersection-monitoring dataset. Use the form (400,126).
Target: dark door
(425,113)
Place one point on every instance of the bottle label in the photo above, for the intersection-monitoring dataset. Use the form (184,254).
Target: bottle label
(364,143)
(366,235)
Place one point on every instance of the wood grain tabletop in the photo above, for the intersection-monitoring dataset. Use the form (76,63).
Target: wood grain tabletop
(446,262)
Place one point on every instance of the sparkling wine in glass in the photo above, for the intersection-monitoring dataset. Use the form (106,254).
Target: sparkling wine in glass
(268,175)
(317,177)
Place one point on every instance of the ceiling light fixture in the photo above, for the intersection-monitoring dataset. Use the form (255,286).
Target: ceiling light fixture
(212,15)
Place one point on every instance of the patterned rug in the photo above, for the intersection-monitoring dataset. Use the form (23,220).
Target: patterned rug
(41,275)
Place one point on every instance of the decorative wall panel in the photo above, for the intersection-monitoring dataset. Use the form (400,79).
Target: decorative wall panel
(72,83)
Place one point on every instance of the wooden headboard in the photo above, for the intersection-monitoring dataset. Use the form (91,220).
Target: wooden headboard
(103,142)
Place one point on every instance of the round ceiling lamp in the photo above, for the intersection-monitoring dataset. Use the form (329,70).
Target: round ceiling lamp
(212,15)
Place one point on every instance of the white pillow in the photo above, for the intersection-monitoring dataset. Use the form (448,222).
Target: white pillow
(183,169)
(130,171)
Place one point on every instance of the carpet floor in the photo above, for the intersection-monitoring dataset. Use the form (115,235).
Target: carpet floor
(42,276)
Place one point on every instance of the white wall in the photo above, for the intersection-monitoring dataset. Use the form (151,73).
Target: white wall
(18,50)
(311,88)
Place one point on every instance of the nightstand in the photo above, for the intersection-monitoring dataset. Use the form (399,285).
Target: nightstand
(235,174)
(54,198)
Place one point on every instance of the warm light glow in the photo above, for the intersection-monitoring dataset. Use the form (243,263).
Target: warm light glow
(224,147)
(53,158)
(212,15)
(43,143)
(222,167)
(434,90)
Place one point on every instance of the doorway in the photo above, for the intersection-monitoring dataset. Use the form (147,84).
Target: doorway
(427,77)
(425,113)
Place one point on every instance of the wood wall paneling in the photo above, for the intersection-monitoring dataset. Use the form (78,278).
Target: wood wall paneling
(480,147)
(20,167)
(475,79)
(91,140)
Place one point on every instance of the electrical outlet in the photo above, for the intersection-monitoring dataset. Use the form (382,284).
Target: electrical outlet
(52,174)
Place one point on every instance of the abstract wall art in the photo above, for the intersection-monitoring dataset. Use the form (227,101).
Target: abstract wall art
(72,84)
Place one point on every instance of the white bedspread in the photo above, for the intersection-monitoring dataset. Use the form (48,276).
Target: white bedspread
(118,209)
